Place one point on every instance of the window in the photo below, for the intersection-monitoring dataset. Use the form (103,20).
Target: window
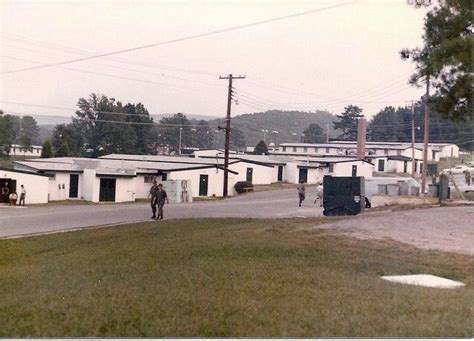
(381,165)
(305,149)
(164,176)
(294,149)
(148,179)
(283,149)
(331,168)
(433,154)
(327,150)
(315,149)
(385,151)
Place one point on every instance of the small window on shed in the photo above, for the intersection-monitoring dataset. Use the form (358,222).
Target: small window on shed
(148,179)
(331,168)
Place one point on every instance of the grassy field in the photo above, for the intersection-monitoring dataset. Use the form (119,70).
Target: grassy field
(223,277)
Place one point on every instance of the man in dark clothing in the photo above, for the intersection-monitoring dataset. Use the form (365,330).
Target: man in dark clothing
(301,192)
(153,201)
(5,193)
(161,197)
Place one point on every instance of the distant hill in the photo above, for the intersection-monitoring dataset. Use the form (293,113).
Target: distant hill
(284,122)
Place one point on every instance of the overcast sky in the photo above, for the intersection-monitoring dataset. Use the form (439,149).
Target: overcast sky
(323,60)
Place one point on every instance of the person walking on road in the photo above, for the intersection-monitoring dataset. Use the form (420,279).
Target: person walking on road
(153,201)
(301,192)
(467,177)
(22,196)
(319,194)
(161,197)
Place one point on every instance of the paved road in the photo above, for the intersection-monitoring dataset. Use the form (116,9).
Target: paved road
(271,204)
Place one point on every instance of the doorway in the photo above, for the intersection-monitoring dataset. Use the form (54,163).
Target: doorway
(107,189)
(73,185)
(280,174)
(249,177)
(203,185)
(10,184)
(303,175)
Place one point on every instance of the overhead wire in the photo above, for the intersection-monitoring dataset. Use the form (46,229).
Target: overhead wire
(171,41)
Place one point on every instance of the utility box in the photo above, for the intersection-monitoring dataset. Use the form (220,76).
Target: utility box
(343,195)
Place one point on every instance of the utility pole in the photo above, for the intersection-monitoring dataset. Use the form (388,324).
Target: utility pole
(180,137)
(230,77)
(426,136)
(327,133)
(412,138)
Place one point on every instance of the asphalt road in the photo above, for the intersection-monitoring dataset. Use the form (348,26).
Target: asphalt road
(36,220)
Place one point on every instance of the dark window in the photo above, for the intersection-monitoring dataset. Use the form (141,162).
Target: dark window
(381,167)
(331,168)
(294,149)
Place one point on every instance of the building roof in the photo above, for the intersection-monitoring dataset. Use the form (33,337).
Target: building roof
(114,167)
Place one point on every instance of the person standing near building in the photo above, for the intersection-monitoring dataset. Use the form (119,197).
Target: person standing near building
(5,193)
(22,196)
(161,197)
(153,201)
(467,177)
(301,192)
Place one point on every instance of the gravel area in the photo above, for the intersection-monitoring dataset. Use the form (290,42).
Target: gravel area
(440,228)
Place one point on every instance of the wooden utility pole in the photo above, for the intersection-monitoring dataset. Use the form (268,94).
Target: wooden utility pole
(227,132)
(327,133)
(413,161)
(426,136)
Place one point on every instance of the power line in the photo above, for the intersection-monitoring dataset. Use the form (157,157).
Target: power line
(194,36)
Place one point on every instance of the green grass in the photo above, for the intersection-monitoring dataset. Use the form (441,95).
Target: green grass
(225,277)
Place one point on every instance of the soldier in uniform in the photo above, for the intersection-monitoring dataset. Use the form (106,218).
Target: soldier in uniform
(161,197)
(153,201)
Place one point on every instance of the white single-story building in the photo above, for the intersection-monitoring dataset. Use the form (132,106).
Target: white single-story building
(373,149)
(18,150)
(313,170)
(35,185)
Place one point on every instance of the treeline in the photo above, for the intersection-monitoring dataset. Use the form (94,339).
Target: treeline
(394,124)
(23,131)
(103,125)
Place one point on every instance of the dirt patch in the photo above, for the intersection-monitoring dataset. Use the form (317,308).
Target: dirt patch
(441,228)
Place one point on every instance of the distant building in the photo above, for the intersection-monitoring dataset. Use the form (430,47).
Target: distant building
(18,150)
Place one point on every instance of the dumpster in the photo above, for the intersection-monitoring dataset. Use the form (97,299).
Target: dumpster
(343,195)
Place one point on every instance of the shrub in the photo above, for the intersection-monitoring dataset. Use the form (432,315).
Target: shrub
(242,185)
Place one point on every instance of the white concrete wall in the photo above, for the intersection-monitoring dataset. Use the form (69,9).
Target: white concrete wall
(124,189)
(216,180)
(345,169)
(142,189)
(90,185)
(397,166)
(450,150)
(59,187)
(290,173)
(36,186)
(261,175)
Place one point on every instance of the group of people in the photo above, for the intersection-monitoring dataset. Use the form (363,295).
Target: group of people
(319,193)
(158,198)
(12,197)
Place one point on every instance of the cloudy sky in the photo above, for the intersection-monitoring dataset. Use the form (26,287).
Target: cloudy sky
(325,59)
